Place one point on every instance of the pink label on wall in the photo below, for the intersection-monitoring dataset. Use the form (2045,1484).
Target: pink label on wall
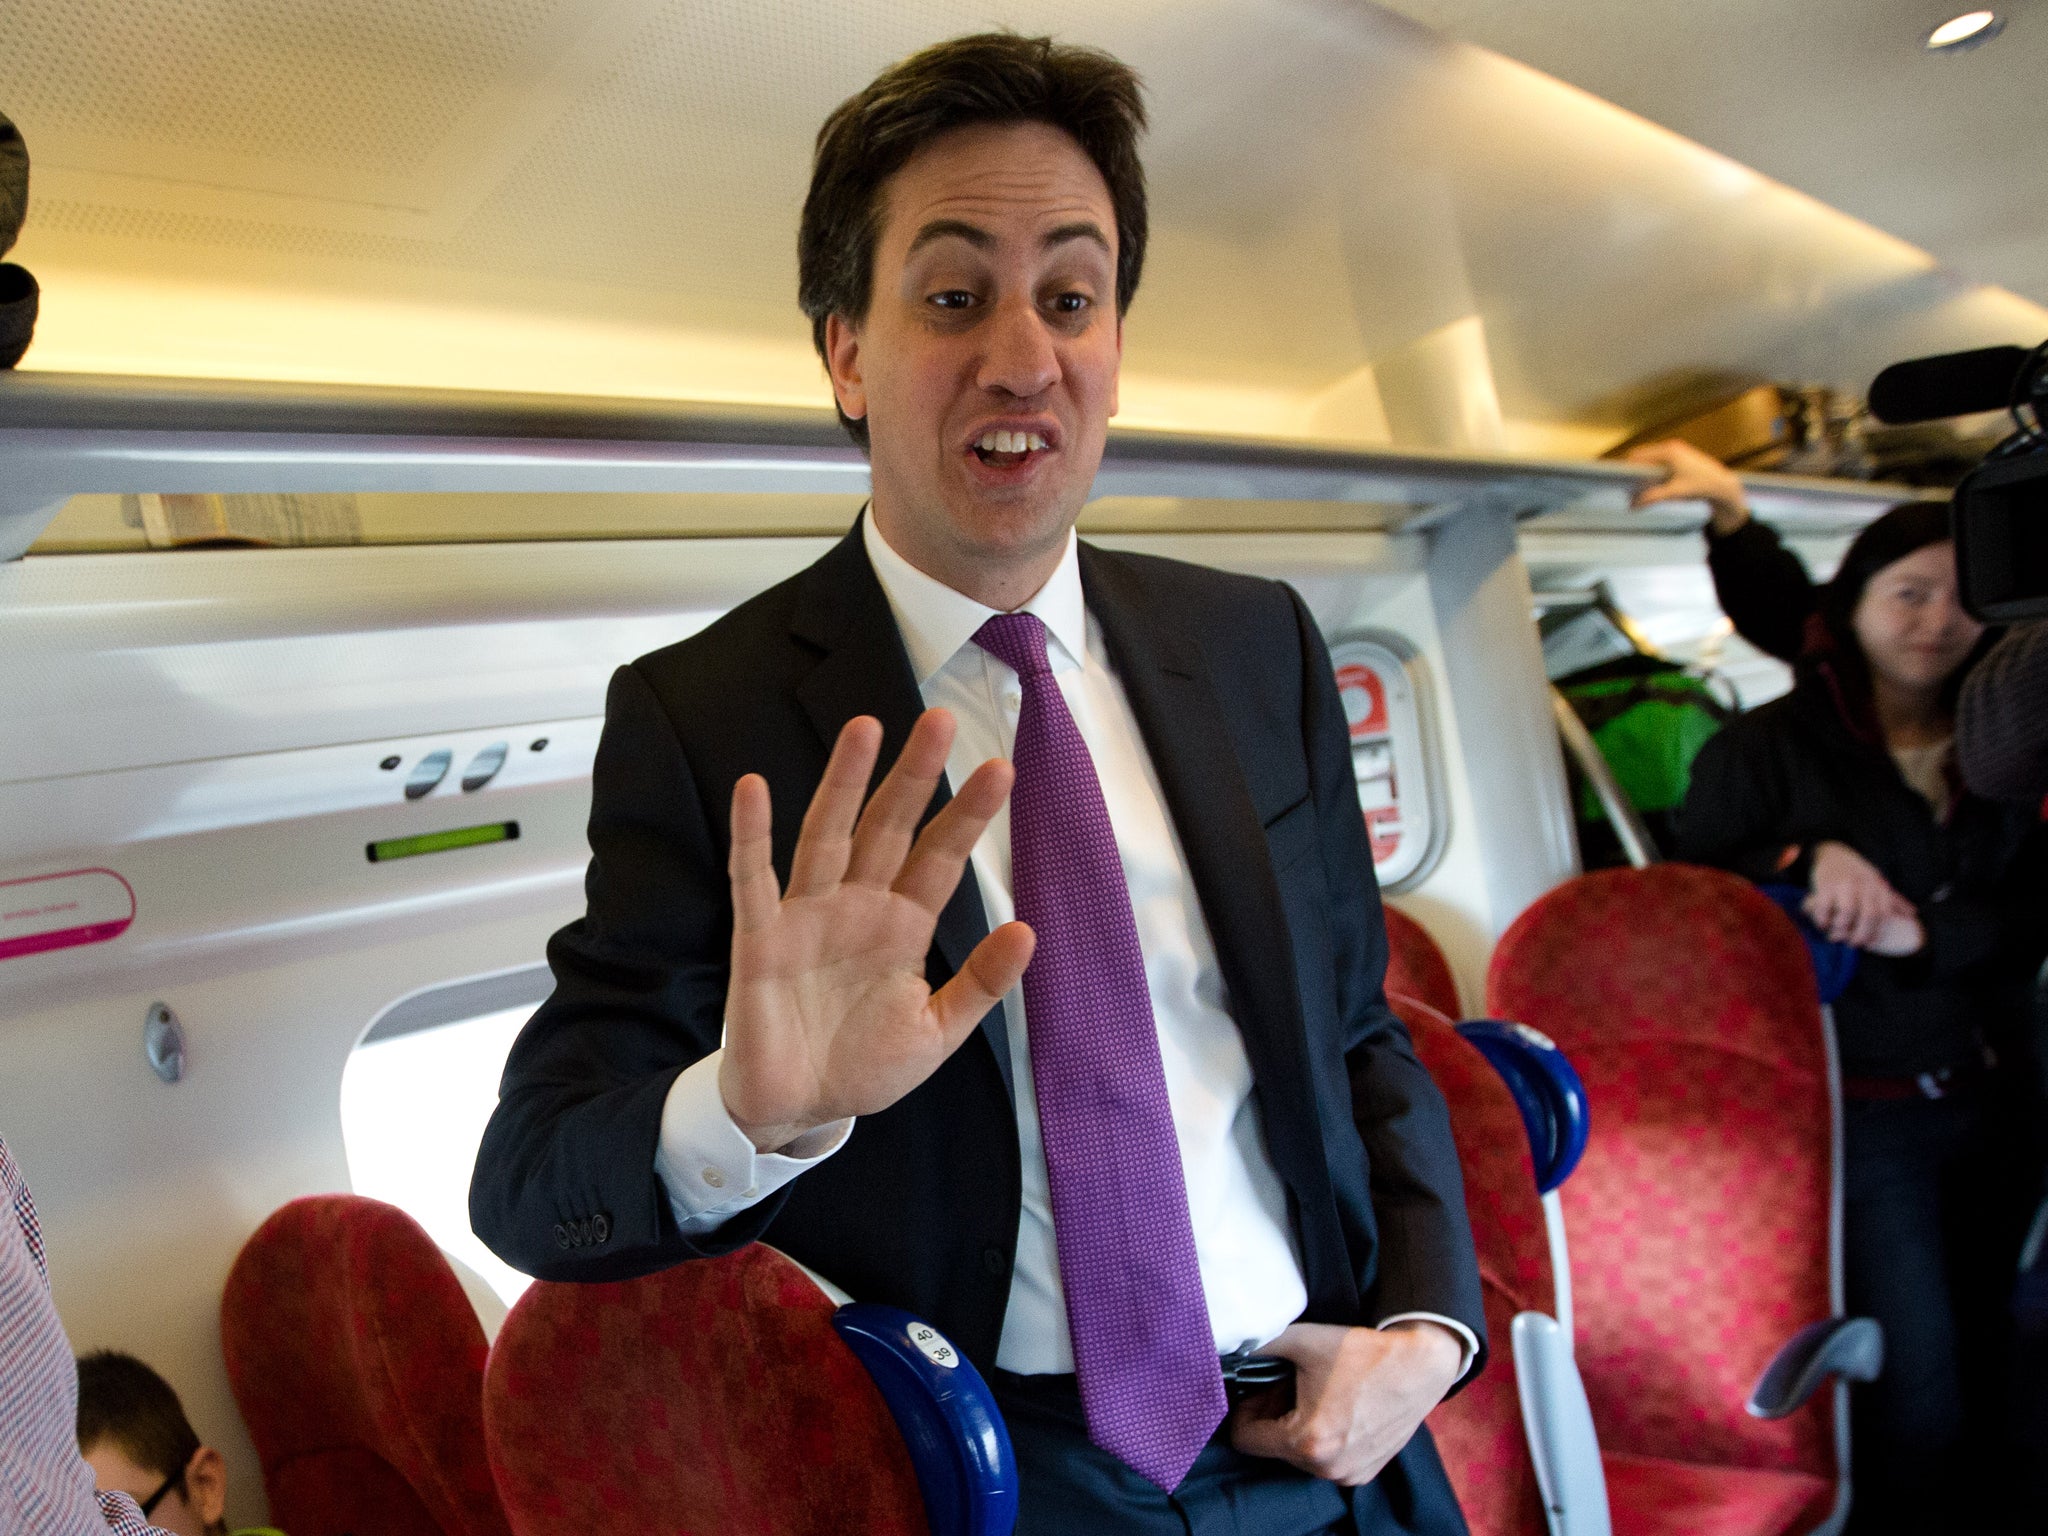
(45,912)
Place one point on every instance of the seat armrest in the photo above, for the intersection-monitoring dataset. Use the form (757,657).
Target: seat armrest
(1558,1422)
(1849,1347)
(958,1444)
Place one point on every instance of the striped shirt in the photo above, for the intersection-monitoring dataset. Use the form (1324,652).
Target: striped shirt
(46,1489)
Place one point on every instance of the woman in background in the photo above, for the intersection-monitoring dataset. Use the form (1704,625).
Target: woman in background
(1847,785)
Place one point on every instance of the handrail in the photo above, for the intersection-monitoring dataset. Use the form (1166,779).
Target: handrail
(1636,841)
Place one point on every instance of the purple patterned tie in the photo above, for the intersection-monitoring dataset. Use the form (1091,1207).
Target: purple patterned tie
(1143,1348)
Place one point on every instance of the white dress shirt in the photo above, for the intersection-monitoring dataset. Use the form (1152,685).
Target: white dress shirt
(1244,1243)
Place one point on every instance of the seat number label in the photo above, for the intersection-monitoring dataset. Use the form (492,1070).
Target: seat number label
(933,1346)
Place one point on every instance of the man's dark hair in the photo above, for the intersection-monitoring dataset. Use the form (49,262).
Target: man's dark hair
(992,77)
(122,1400)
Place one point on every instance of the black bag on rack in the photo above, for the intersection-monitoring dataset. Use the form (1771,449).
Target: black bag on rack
(18,292)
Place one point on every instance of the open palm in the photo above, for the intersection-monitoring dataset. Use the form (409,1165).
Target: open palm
(828,1013)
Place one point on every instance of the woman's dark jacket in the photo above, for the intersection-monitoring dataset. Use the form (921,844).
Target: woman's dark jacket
(1763,588)
(1800,771)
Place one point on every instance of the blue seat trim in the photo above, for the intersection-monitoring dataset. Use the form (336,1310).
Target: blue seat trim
(1834,965)
(1546,1090)
(959,1446)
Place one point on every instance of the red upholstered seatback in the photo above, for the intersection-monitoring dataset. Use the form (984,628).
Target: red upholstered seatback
(713,1399)
(1699,1219)
(358,1363)
(1416,967)
(1479,1432)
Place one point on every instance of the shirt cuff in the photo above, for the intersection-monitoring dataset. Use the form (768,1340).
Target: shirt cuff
(1468,1341)
(710,1169)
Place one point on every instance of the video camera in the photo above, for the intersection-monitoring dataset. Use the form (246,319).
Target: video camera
(2000,510)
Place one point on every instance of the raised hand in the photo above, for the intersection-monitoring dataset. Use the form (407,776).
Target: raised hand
(1691,475)
(828,1014)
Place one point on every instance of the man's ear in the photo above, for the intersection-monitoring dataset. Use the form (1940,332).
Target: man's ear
(206,1485)
(842,361)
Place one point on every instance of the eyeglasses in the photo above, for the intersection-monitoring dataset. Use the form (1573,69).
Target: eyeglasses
(176,1480)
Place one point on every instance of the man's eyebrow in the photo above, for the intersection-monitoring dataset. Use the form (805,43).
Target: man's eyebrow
(1081,229)
(940,229)
(982,240)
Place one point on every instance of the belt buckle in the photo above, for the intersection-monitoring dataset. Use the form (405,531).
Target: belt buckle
(1246,1374)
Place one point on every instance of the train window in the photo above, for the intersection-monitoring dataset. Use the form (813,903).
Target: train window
(415,1096)
(1393,753)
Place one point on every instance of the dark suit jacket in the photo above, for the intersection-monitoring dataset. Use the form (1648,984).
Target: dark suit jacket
(1232,688)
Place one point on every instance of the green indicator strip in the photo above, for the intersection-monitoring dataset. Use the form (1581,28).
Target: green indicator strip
(441,842)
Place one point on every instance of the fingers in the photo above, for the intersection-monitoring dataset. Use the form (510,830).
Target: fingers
(1689,475)
(751,866)
(928,876)
(825,844)
(889,823)
(1307,1439)
(1654,456)
(1857,911)
(1257,1429)
(1838,914)
(996,965)
(1821,909)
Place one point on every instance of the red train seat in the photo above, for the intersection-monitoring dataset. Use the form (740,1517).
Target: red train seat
(1416,967)
(1479,1432)
(358,1365)
(715,1396)
(1700,1217)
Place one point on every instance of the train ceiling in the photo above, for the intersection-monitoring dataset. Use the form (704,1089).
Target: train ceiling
(599,196)
(1839,98)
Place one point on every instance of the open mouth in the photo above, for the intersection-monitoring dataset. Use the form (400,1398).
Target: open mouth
(1005,450)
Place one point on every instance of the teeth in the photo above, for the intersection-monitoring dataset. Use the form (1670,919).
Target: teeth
(1010,442)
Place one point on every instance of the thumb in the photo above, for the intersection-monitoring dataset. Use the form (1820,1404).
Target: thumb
(1262,1434)
(996,965)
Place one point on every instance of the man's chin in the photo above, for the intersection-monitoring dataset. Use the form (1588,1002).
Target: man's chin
(1009,532)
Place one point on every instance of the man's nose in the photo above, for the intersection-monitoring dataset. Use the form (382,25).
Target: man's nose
(1020,359)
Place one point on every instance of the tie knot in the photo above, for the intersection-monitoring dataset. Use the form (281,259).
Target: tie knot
(1018,641)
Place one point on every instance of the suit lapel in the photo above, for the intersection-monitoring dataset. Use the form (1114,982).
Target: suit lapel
(1189,738)
(865,671)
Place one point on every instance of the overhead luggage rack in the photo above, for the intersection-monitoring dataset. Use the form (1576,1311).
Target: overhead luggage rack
(63,435)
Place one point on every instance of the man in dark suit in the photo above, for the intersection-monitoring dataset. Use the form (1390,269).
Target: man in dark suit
(1130,1097)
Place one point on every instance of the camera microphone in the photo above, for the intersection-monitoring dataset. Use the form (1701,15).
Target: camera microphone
(1954,384)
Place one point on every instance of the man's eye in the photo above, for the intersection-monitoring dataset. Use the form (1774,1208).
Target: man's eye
(952,298)
(1070,303)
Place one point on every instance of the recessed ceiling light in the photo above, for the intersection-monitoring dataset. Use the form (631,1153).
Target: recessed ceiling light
(1965,31)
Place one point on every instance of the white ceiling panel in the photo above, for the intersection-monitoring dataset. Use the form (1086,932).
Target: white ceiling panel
(601,196)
